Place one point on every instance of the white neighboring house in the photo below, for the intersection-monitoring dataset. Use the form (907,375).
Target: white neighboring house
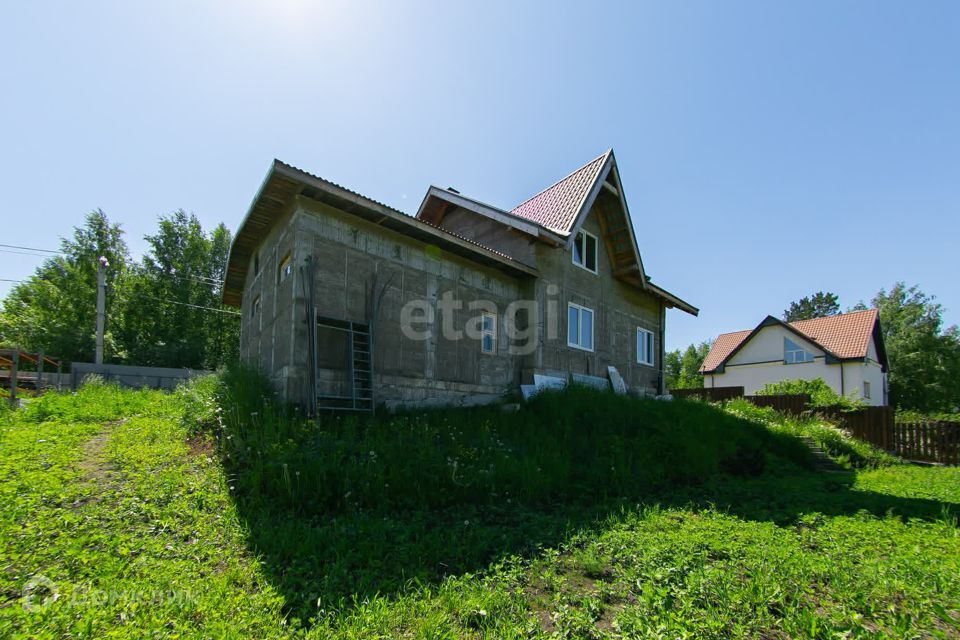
(845,350)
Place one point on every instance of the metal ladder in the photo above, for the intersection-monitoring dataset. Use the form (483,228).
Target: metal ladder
(359,395)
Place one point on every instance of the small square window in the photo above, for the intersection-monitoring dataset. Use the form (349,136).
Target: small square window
(585,251)
(488,333)
(644,346)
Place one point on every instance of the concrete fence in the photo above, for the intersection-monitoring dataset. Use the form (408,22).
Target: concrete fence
(131,376)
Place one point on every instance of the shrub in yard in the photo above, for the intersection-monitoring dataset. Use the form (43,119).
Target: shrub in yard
(821,395)
(578,445)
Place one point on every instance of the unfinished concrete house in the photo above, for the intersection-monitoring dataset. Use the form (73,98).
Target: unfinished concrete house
(348,304)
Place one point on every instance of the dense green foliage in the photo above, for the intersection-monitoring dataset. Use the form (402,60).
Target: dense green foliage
(118,499)
(924,356)
(682,368)
(164,311)
(818,305)
(55,309)
(822,396)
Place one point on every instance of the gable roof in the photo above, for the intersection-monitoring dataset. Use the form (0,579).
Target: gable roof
(558,207)
(845,336)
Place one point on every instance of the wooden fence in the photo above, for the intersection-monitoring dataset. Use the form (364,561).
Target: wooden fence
(710,394)
(928,441)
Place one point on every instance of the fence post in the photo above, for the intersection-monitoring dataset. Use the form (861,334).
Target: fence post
(14,362)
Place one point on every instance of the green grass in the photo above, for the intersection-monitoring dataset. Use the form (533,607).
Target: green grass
(845,450)
(174,516)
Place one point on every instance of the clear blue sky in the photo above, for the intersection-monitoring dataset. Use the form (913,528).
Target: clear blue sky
(768,149)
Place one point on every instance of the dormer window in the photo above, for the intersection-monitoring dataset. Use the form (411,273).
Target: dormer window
(585,251)
(794,353)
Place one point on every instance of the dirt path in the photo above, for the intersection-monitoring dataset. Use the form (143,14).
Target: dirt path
(97,471)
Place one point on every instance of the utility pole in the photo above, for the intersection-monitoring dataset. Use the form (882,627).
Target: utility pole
(101,305)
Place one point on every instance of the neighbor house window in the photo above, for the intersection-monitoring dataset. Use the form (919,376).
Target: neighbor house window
(794,353)
(644,346)
(585,251)
(579,327)
(866,390)
(255,307)
(285,269)
(488,333)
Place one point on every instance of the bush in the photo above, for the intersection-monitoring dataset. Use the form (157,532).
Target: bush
(574,446)
(821,395)
(844,449)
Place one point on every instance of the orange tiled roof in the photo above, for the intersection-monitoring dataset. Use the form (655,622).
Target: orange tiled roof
(846,335)
(557,206)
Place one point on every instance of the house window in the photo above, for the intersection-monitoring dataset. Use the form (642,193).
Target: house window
(585,251)
(794,353)
(866,390)
(285,269)
(488,333)
(256,263)
(644,346)
(255,307)
(579,327)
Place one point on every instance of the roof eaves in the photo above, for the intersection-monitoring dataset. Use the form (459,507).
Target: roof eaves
(521,224)
(674,301)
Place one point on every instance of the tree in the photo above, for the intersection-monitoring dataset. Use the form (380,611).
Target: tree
(924,358)
(54,310)
(819,305)
(172,315)
(682,369)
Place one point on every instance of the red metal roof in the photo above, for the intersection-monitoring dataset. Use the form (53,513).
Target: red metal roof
(846,335)
(557,206)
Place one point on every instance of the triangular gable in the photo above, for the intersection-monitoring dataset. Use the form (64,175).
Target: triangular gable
(563,207)
(769,321)
(606,197)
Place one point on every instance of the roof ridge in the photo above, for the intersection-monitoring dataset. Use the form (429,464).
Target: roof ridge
(566,177)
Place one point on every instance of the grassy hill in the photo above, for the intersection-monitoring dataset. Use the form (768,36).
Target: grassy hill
(213,512)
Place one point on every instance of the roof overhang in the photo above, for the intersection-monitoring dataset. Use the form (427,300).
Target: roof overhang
(284,183)
(437,202)
(672,301)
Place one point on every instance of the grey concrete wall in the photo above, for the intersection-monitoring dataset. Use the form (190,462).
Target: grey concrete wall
(130,376)
(351,255)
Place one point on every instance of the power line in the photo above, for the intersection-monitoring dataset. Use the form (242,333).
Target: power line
(195,306)
(9,280)
(26,253)
(14,246)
